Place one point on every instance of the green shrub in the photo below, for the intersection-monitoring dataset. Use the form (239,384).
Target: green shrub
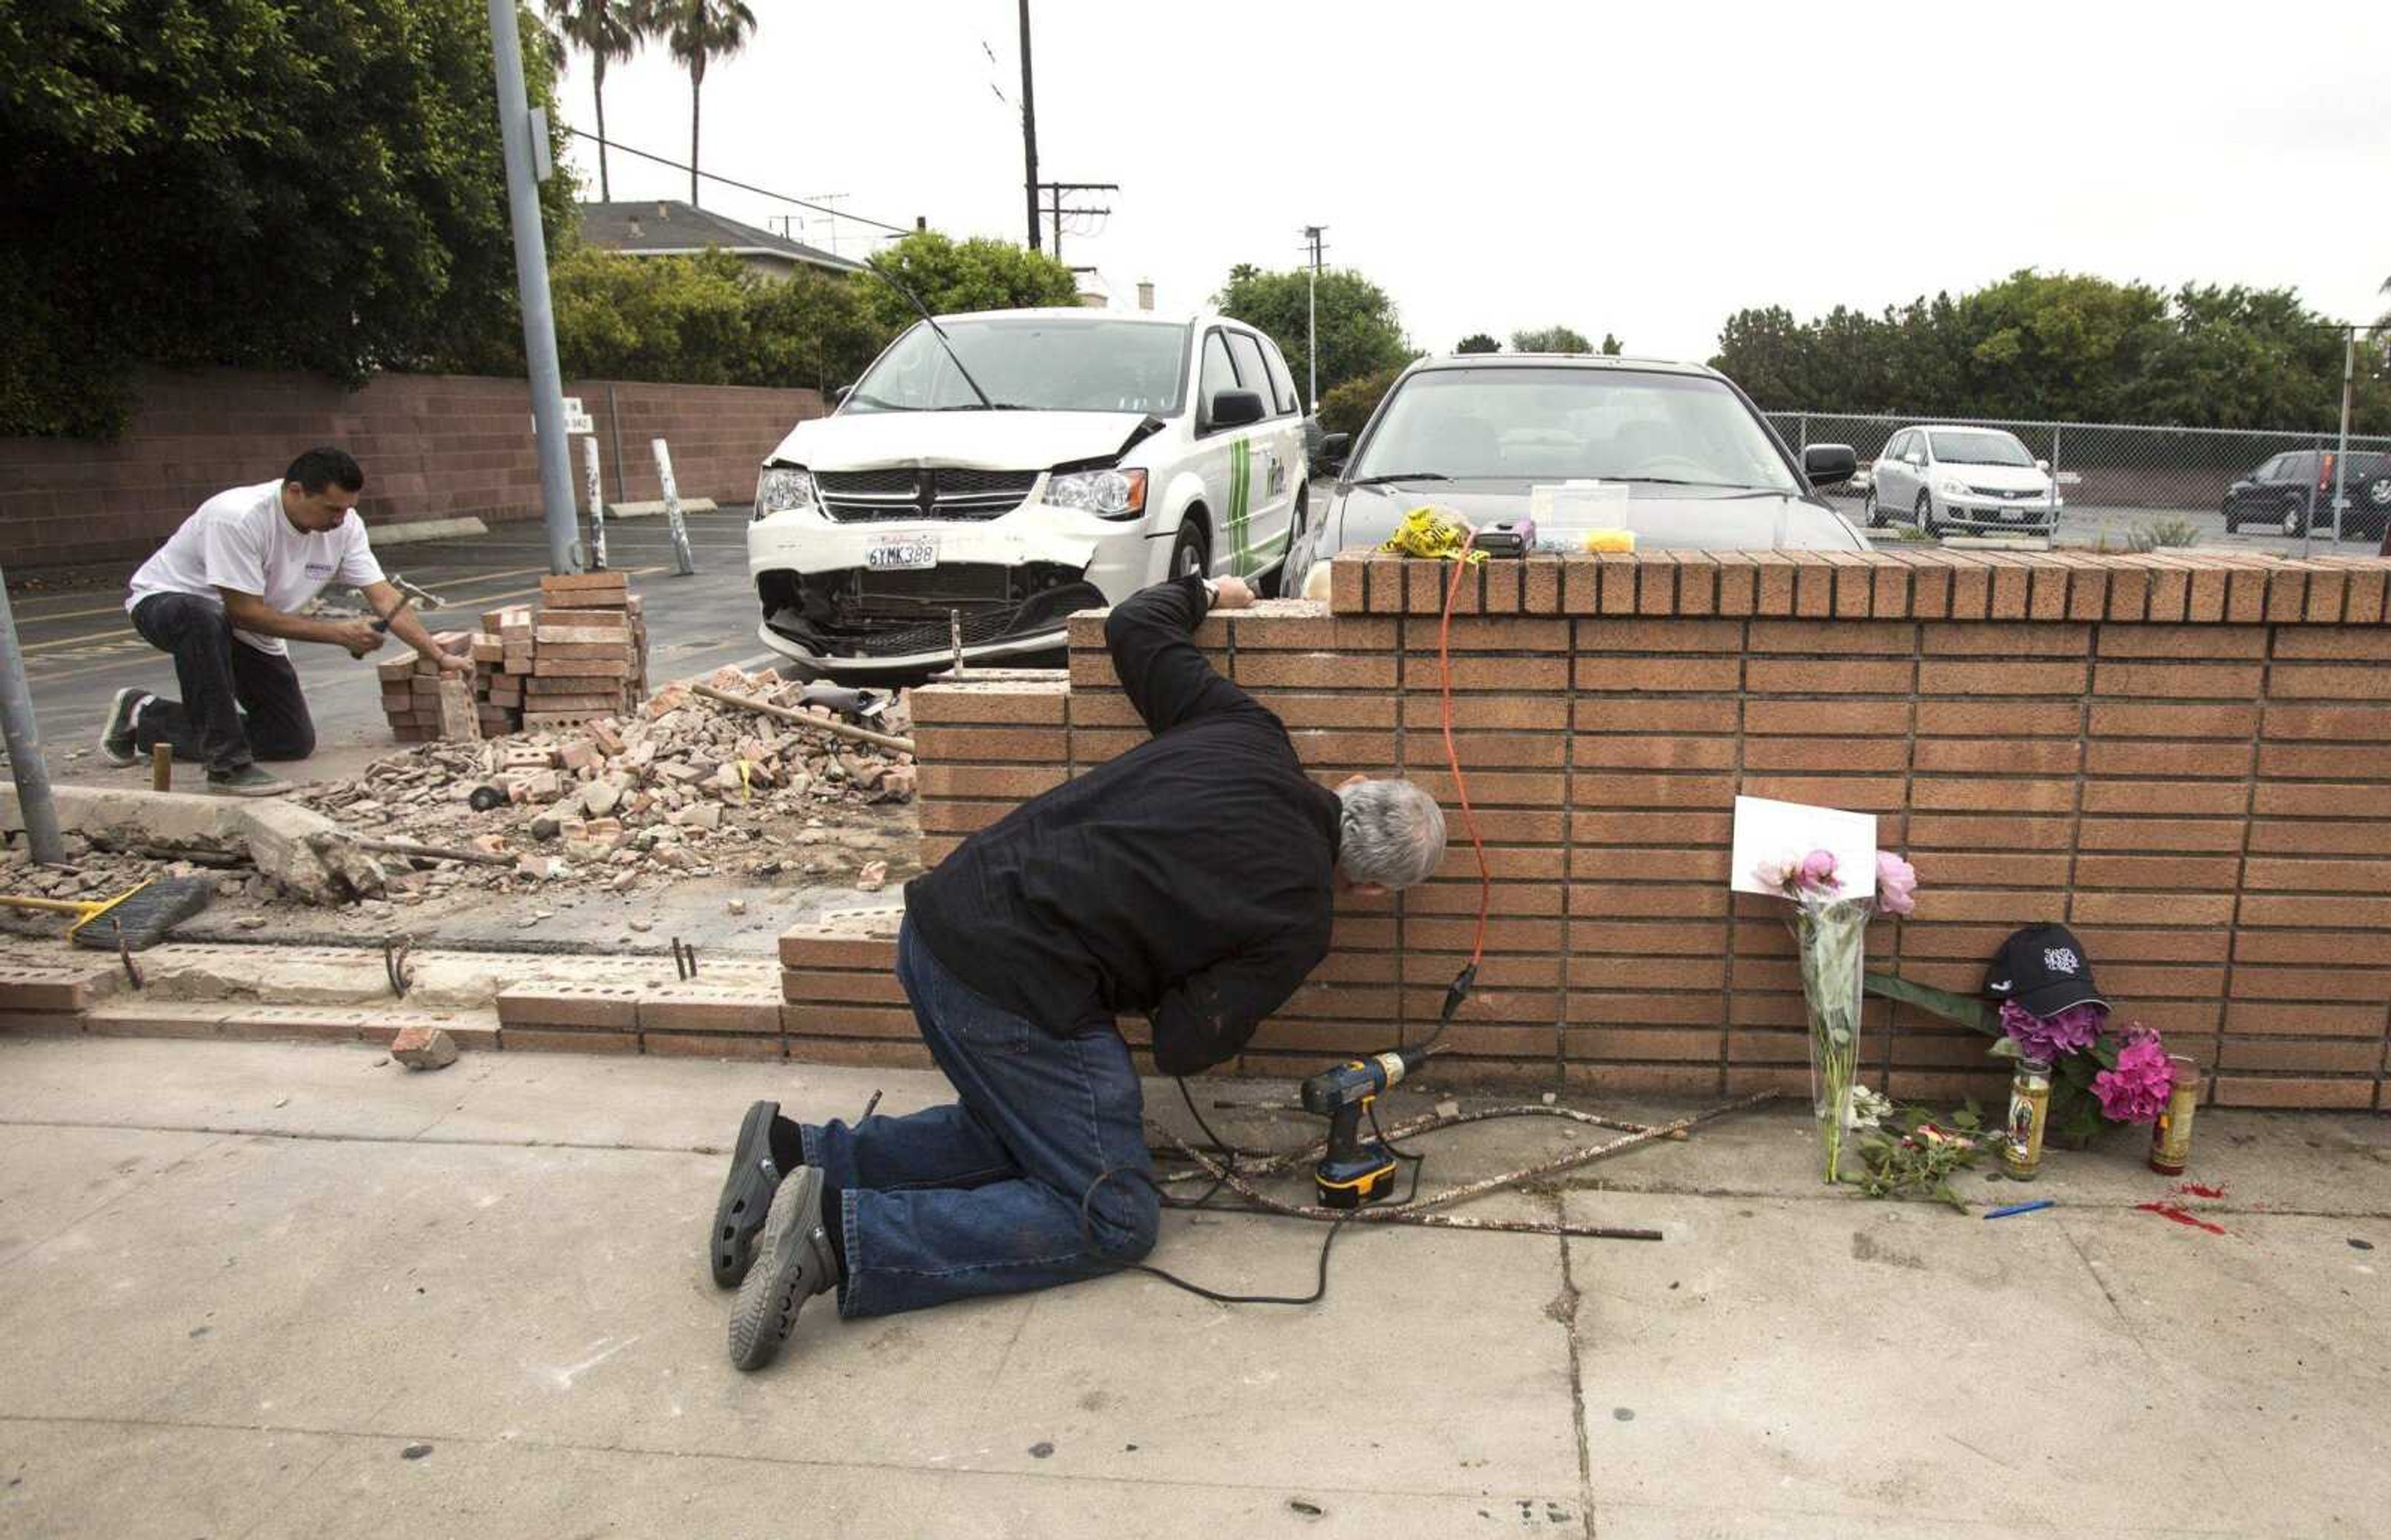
(1346,409)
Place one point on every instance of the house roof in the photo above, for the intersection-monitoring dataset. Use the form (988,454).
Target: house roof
(659,227)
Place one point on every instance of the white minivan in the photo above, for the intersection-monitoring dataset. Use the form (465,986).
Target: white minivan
(991,474)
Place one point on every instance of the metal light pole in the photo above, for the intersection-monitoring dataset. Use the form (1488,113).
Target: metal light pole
(2340,456)
(522,138)
(24,740)
(1312,313)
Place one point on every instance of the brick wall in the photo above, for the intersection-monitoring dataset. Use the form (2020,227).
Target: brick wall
(433,446)
(2181,757)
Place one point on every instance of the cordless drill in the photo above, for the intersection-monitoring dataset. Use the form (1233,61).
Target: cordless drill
(1356,1171)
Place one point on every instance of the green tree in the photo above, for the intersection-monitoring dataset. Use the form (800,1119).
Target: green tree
(1611,346)
(2064,346)
(1550,340)
(1478,341)
(1360,331)
(951,277)
(707,319)
(813,328)
(611,31)
(263,183)
(700,31)
(1348,408)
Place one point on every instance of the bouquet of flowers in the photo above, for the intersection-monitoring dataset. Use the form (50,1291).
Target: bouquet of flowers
(1830,934)
(2099,1078)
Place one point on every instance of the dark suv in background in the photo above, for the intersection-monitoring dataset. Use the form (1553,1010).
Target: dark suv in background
(2293,493)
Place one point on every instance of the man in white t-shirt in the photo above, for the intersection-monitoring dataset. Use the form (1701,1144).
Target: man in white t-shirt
(222,594)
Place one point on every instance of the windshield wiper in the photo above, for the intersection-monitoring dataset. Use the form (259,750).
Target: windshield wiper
(986,406)
(936,330)
(881,402)
(1400,475)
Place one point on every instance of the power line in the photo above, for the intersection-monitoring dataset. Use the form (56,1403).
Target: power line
(743,187)
(1059,213)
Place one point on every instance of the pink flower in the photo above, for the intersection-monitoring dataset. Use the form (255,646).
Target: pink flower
(2052,1038)
(1896,884)
(1774,875)
(2137,1089)
(1818,871)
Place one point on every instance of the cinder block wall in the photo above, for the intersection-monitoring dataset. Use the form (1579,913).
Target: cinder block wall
(2184,758)
(433,446)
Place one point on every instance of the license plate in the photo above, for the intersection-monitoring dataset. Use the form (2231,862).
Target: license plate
(894,556)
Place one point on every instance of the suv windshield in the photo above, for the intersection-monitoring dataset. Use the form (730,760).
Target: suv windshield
(1539,424)
(1979,449)
(1044,363)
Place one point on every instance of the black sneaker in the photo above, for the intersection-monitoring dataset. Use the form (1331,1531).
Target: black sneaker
(247,781)
(746,1200)
(116,733)
(793,1265)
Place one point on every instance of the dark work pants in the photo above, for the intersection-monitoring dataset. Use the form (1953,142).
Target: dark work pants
(238,704)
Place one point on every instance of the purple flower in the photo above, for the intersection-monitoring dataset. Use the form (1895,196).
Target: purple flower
(2052,1038)
(1896,884)
(2137,1089)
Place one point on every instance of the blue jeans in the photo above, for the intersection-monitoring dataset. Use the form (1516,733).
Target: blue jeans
(983,1196)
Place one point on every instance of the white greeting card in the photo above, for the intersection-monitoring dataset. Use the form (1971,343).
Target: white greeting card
(1768,830)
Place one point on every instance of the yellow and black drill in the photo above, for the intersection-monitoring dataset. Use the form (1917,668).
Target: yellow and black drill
(1356,1171)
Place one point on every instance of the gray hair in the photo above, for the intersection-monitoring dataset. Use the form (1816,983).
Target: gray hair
(1392,833)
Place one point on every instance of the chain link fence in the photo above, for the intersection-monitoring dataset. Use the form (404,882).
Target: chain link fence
(2260,482)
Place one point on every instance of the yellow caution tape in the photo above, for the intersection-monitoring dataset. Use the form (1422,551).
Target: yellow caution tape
(1432,534)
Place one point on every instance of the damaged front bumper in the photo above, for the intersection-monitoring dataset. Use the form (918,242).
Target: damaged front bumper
(1007,592)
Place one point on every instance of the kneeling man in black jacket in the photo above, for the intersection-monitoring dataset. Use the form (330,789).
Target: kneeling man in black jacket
(1189,880)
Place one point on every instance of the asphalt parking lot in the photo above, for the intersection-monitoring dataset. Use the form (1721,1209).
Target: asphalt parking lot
(2090,525)
(80,650)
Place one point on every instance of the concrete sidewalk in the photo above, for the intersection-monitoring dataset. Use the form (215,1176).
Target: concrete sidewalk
(256,1289)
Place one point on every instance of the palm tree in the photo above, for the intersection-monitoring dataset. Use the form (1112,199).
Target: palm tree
(611,30)
(700,31)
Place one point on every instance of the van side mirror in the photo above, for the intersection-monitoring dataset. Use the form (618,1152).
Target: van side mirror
(838,396)
(1235,408)
(1825,464)
(1335,450)
(2042,465)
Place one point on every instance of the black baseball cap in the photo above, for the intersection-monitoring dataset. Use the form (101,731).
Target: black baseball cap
(2043,967)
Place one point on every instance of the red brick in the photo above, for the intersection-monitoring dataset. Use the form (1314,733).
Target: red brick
(1990,639)
(2360,913)
(1775,579)
(1998,756)
(1858,793)
(1697,583)
(1738,578)
(1645,901)
(701,1044)
(513,1039)
(2143,757)
(1540,586)
(1847,755)
(1860,677)
(2119,719)
(1672,829)
(2217,835)
(1826,718)
(866,1053)
(2370,762)
(569,1003)
(1832,638)
(2359,1019)
(2274,837)
(1004,704)
(1610,753)
(2000,719)
(2294,799)
(1814,585)
(1672,638)
(1994,831)
(2184,643)
(1979,796)
(2372,985)
(2000,678)
(2328,682)
(1015,783)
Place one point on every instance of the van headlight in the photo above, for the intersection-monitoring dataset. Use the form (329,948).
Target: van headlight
(1105,493)
(780,489)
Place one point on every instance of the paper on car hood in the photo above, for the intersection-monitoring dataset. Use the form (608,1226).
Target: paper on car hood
(982,440)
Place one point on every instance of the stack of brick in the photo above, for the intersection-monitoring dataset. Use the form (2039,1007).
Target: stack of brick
(411,695)
(581,656)
(2174,754)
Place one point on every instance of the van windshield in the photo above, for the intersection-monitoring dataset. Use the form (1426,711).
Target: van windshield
(1041,363)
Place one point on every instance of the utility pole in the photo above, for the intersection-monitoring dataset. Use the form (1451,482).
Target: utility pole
(1057,189)
(1028,130)
(522,138)
(1311,314)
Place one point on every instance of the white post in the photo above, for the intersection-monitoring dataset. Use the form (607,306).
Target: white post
(686,562)
(597,504)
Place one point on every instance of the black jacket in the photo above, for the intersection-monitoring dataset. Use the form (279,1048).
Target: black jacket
(1189,880)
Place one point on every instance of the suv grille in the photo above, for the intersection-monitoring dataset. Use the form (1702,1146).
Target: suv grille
(859,496)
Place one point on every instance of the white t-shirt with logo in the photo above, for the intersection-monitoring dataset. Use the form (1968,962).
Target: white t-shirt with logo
(242,540)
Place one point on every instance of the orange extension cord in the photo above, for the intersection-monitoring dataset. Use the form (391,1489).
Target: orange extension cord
(1468,975)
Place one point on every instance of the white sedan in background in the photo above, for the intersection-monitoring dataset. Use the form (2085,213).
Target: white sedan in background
(1979,479)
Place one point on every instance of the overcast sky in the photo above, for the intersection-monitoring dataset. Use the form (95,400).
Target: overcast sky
(1641,169)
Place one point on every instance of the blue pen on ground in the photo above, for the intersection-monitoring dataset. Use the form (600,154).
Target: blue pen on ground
(2022,1208)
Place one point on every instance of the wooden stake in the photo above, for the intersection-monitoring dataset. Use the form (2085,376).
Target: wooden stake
(161,767)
